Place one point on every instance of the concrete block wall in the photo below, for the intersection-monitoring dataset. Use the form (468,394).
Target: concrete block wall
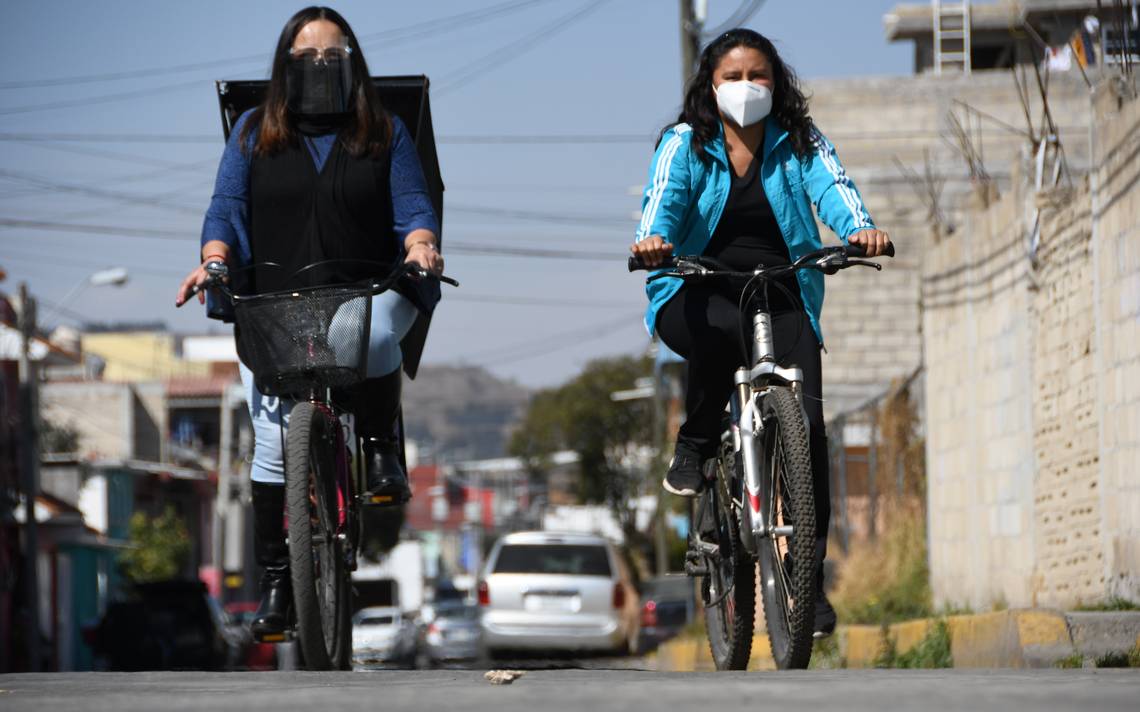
(871,320)
(1032,407)
(1116,259)
(977,343)
(1069,563)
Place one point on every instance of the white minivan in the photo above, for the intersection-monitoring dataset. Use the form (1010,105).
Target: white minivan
(557,592)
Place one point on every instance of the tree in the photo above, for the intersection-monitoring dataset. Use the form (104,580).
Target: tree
(607,436)
(159,547)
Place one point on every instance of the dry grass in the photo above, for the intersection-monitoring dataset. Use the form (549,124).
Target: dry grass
(887,579)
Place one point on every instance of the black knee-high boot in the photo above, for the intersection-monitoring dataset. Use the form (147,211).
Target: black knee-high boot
(825,619)
(272,556)
(377,408)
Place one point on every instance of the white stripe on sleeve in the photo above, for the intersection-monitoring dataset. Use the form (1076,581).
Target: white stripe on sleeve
(657,190)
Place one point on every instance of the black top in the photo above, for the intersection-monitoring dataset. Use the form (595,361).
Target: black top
(748,235)
(300,214)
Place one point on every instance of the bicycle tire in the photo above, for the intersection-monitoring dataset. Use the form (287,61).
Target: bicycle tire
(788,596)
(729,589)
(321,588)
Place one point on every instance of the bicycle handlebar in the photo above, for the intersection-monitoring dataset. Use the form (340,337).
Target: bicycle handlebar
(219,272)
(635,262)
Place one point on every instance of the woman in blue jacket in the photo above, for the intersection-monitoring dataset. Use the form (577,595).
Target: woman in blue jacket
(735,179)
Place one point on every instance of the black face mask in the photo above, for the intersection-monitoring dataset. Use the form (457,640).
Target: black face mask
(318,88)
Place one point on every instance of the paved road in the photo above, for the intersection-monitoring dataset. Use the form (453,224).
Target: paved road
(593,690)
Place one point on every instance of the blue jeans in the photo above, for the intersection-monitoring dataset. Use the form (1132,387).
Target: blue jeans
(392,317)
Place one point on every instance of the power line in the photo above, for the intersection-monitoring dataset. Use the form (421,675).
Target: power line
(742,14)
(536,216)
(393,36)
(185,236)
(120,196)
(488,62)
(533,348)
(535,302)
(104,99)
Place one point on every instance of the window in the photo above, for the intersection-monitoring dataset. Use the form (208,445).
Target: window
(572,559)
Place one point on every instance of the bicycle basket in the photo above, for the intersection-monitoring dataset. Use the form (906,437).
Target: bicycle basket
(313,338)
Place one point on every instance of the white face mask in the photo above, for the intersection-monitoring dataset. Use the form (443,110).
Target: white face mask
(744,102)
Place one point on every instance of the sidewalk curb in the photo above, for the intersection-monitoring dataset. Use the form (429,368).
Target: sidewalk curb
(1020,638)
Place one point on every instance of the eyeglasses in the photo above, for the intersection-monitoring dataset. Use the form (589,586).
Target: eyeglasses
(314,55)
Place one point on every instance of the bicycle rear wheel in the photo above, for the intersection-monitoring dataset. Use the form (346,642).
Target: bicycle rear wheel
(787,556)
(321,590)
(728,590)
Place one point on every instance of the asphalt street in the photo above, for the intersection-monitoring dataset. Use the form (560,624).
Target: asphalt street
(593,690)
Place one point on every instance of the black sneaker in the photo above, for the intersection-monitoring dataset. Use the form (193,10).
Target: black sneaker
(824,617)
(684,476)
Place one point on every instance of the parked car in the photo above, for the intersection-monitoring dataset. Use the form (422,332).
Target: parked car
(167,625)
(255,655)
(383,635)
(557,592)
(667,606)
(453,633)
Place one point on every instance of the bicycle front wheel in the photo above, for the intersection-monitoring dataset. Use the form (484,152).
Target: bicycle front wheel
(321,591)
(787,554)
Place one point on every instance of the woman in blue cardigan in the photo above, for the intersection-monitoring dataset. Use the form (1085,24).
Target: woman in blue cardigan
(320,171)
(735,179)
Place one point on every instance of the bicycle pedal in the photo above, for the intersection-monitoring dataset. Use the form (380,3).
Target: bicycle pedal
(381,500)
(283,637)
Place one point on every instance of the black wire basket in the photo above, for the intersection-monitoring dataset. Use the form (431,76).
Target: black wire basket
(295,342)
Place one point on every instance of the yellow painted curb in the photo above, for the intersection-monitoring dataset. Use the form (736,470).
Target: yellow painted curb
(859,645)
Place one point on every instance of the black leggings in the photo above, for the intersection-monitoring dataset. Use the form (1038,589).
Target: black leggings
(702,323)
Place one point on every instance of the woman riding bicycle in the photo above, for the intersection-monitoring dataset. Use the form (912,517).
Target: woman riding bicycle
(734,179)
(320,171)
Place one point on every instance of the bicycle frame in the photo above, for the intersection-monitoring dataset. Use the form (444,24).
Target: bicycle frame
(751,386)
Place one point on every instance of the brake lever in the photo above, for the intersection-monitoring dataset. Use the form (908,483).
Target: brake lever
(421,273)
(864,263)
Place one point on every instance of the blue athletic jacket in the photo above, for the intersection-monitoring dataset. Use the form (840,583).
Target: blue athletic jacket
(685,197)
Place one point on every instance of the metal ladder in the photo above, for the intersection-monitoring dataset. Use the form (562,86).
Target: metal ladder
(951,36)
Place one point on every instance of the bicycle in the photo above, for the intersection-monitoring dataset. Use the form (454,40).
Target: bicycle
(305,344)
(758,485)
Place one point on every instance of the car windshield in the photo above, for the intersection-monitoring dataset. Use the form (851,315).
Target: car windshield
(376,620)
(573,559)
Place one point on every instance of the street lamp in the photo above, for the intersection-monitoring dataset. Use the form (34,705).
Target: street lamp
(111,277)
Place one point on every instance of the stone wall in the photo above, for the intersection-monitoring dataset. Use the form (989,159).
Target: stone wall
(1032,404)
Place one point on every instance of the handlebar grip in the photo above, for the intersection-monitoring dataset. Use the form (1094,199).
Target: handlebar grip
(859,251)
(635,263)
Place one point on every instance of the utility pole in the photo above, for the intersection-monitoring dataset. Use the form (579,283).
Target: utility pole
(692,22)
(30,456)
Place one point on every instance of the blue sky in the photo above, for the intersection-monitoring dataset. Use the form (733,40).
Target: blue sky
(614,69)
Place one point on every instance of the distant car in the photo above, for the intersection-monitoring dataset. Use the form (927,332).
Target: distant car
(453,633)
(255,655)
(667,606)
(383,635)
(167,625)
(557,592)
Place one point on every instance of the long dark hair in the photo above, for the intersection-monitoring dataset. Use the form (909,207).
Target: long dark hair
(789,105)
(369,130)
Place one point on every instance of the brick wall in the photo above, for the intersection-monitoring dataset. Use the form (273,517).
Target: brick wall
(1033,387)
